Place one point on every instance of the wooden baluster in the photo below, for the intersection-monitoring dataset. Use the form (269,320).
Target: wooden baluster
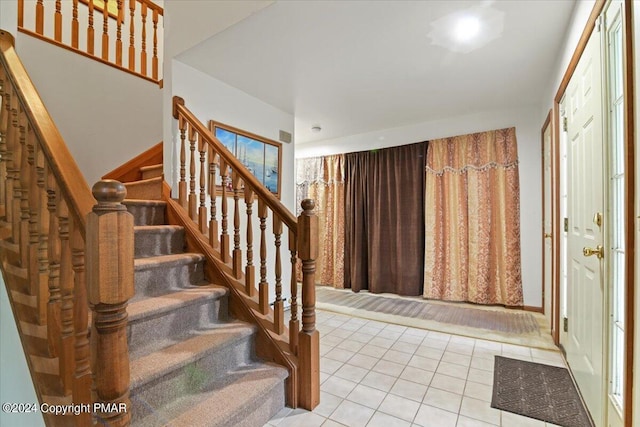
(263,286)
(105,30)
(10,142)
(119,33)
(143,47)
(294,323)
(90,30)
(82,378)
(237,252)
(19,138)
(75,25)
(57,22)
(278,306)
(192,173)
(40,17)
(224,237)
(249,270)
(202,209)
(182,185)
(132,49)
(20,13)
(22,203)
(53,307)
(33,206)
(109,254)
(67,353)
(154,59)
(309,337)
(43,240)
(4,123)
(213,193)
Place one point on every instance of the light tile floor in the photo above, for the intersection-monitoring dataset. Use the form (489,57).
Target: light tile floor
(377,374)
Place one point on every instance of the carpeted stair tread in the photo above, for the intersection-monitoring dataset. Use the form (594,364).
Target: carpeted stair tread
(165,303)
(151,171)
(245,397)
(155,240)
(147,212)
(217,338)
(150,189)
(167,261)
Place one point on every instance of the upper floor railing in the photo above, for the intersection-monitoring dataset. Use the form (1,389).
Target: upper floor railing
(126,34)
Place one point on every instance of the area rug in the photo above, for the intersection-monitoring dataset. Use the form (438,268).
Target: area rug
(543,392)
(508,326)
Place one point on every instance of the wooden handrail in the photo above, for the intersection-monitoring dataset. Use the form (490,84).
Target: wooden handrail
(272,201)
(133,23)
(50,225)
(62,163)
(229,178)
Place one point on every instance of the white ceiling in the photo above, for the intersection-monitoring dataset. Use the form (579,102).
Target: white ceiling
(360,66)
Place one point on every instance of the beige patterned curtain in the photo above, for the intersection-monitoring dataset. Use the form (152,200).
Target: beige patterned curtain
(472,219)
(322,179)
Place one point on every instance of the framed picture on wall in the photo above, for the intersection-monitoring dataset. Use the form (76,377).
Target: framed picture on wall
(261,156)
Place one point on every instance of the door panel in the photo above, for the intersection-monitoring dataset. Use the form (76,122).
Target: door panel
(585,294)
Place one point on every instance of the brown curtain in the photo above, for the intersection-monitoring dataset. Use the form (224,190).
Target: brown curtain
(322,179)
(384,225)
(472,219)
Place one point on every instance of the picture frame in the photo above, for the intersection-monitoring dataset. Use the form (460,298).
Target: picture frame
(262,156)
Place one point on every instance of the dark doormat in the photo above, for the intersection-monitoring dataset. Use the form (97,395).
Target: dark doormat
(538,391)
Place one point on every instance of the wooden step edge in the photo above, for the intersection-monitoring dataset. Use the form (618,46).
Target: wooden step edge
(33,330)
(151,167)
(14,270)
(45,365)
(24,299)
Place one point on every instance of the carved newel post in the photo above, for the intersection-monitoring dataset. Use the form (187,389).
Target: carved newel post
(309,337)
(109,254)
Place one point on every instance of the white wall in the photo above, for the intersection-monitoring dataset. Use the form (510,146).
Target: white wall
(579,19)
(211,99)
(529,152)
(15,380)
(105,116)
(8,16)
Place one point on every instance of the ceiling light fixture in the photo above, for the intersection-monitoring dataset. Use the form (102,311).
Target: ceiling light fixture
(467,28)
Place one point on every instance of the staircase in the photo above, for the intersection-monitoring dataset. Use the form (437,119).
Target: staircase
(161,310)
(191,364)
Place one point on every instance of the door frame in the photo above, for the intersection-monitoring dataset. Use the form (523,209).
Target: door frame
(548,122)
(629,132)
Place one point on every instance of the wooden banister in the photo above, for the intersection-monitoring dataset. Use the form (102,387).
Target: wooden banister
(61,163)
(49,226)
(261,192)
(116,21)
(228,178)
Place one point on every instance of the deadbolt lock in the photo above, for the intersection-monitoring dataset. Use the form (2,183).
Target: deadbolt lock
(598,251)
(597,219)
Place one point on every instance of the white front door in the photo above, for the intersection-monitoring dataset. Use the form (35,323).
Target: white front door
(585,293)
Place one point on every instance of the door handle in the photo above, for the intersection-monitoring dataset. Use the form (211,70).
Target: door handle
(598,251)
(547,235)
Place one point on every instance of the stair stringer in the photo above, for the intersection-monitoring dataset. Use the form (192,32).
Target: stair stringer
(269,345)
